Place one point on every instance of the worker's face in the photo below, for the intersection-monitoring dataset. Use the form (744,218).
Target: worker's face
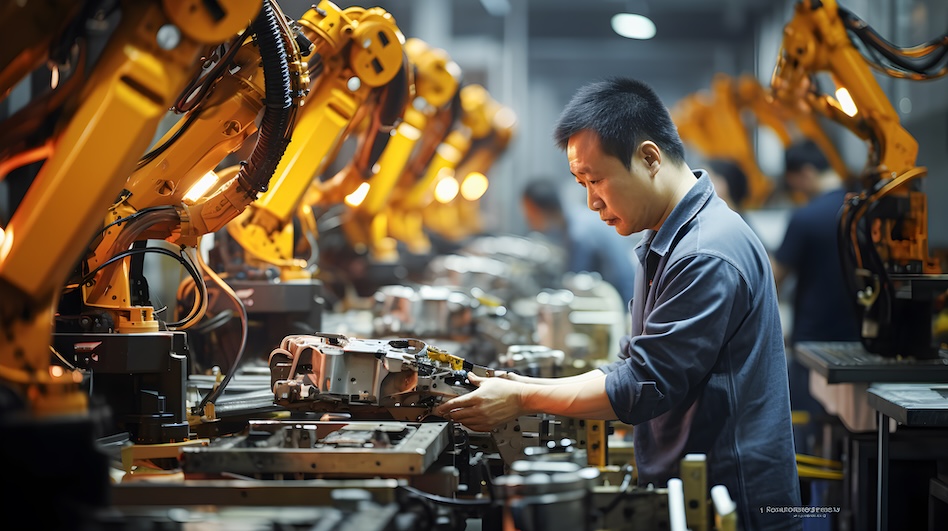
(622,197)
(803,181)
(535,219)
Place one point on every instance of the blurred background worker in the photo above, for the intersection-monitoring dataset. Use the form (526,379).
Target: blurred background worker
(808,272)
(590,245)
(730,182)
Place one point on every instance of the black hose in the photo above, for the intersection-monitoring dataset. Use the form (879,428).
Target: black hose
(254,177)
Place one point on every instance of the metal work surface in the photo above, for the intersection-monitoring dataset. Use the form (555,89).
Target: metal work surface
(245,492)
(849,362)
(912,404)
(322,449)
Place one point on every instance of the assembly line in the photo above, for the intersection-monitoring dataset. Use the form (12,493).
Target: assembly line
(343,317)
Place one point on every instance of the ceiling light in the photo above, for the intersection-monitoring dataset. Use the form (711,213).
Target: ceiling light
(633,26)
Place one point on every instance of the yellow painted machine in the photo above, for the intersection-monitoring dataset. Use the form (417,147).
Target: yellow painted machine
(883,229)
(361,84)
(717,123)
(448,194)
(266,256)
(105,320)
(85,135)
(437,81)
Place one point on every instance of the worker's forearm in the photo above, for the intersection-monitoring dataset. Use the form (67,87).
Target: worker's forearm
(586,399)
(586,376)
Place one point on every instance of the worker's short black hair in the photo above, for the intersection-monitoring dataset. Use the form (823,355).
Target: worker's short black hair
(804,153)
(543,193)
(734,176)
(623,113)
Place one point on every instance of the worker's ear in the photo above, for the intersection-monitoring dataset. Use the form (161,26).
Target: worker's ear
(651,155)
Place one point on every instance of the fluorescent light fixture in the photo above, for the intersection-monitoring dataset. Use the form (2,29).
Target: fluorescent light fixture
(496,8)
(201,187)
(446,190)
(473,186)
(632,26)
(355,198)
(846,102)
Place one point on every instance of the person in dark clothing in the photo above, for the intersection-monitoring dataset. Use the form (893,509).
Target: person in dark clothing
(589,245)
(822,307)
(704,368)
(730,182)
(807,264)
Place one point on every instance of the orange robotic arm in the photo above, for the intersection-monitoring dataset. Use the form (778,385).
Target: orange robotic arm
(361,54)
(884,229)
(713,122)
(100,131)
(490,127)
(156,204)
(437,80)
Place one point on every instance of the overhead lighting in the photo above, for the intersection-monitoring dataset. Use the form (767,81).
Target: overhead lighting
(632,26)
(496,8)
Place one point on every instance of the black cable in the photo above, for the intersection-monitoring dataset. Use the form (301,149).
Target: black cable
(895,54)
(443,500)
(88,277)
(198,279)
(624,490)
(125,254)
(214,393)
(132,217)
(184,103)
(275,125)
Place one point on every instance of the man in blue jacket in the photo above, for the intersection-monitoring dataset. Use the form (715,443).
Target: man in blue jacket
(704,368)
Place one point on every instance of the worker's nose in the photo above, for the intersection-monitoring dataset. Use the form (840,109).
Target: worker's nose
(593,201)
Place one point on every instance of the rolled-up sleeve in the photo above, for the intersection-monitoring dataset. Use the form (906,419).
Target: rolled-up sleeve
(692,318)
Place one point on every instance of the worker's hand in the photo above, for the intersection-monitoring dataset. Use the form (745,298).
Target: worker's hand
(494,402)
(508,375)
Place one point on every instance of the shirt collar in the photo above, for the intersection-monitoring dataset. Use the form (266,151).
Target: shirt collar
(686,209)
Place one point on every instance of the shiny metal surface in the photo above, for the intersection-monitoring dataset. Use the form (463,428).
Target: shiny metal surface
(323,449)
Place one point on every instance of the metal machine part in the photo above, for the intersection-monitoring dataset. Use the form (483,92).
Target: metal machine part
(302,449)
(538,361)
(539,495)
(140,377)
(424,311)
(324,372)
(585,320)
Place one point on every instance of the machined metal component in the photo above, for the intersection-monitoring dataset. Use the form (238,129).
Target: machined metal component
(323,449)
(538,361)
(425,311)
(316,371)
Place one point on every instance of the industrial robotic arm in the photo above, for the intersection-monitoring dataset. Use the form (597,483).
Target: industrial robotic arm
(714,123)
(884,229)
(360,77)
(174,193)
(455,211)
(115,72)
(96,123)
(437,81)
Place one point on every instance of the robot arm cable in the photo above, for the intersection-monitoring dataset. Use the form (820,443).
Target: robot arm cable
(934,51)
(244,331)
